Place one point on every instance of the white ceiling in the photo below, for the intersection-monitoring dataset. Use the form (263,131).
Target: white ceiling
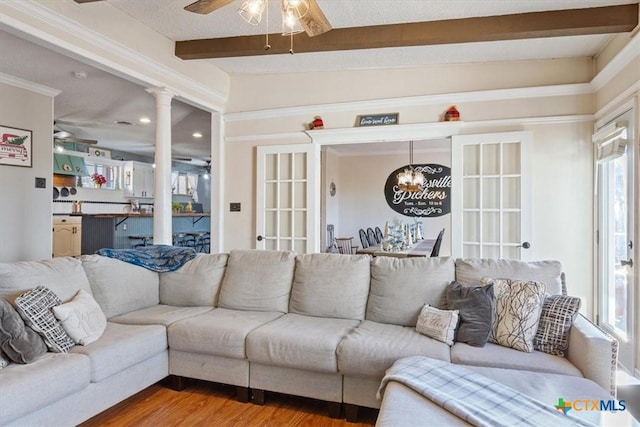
(94,103)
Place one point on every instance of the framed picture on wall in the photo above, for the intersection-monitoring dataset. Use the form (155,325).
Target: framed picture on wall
(15,147)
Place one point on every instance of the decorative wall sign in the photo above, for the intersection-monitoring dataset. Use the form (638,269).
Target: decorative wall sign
(15,146)
(434,199)
(378,119)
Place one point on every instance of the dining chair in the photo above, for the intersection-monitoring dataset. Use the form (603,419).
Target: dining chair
(436,246)
(345,245)
(371,237)
(379,235)
(363,238)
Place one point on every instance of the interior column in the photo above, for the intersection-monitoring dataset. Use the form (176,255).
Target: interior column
(162,213)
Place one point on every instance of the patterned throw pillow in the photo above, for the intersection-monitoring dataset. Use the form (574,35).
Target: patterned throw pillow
(437,324)
(558,314)
(35,308)
(517,307)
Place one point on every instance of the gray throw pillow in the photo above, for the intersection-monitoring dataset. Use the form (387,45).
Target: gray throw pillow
(474,305)
(20,343)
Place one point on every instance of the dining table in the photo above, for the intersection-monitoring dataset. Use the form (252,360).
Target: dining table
(420,248)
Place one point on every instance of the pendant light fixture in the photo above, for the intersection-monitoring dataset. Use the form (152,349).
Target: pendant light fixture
(410,180)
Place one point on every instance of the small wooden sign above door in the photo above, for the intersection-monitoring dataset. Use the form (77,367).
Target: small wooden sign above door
(378,119)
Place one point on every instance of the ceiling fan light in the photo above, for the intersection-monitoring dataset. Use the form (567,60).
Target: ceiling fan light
(299,7)
(252,10)
(290,22)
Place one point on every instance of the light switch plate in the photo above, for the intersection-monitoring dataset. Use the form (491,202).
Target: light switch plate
(41,182)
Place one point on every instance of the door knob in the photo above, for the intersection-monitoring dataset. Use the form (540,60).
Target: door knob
(526,245)
(259,238)
(628,262)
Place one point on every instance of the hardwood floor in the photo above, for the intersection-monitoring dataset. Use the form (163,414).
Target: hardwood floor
(203,403)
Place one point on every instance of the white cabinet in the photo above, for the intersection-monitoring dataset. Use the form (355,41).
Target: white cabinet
(139,179)
(67,235)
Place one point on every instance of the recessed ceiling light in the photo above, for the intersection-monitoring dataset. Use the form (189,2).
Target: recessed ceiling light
(122,123)
(145,120)
(197,135)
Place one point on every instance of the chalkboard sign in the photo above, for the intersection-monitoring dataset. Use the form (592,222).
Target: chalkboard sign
(378,119)
(433,200)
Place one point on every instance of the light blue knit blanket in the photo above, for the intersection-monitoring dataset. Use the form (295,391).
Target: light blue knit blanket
(478,400)
(159,258)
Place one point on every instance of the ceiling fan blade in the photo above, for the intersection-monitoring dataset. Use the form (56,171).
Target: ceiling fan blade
(78,140)
(314,22)
(86,1)
(206,6)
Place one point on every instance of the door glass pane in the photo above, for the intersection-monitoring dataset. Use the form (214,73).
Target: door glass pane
(471,251)
(511,193)
(271,166)
(511,227)
(511,158)
(285,195)
(491,193)
(471,226)
(285,245)
(471,193)
(285,223)
(471,160)
(285,166)
(270,195)
(300,195)
(511,252)
(491,227)
(491,159)
(270,223)
(300,219)
(300,165)
(300,246)
(491,251)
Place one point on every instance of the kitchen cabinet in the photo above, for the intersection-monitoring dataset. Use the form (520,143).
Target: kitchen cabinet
(139,179)
(67,236)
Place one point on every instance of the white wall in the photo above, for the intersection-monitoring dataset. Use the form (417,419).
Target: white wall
(25,211)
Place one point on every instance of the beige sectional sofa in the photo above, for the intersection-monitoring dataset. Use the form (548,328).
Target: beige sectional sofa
(324,326)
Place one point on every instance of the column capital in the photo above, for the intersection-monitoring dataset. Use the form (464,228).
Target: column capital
(160,92)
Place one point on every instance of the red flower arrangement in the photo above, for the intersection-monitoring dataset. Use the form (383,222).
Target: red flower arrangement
(98,179)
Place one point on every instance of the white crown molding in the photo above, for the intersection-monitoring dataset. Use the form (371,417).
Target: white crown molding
(24,84)
(357,135)
(412,101)
(620,99)
(75,29)
(617,64)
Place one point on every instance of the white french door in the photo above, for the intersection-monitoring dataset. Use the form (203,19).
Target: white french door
(287,206)
(491,195)
(614,153)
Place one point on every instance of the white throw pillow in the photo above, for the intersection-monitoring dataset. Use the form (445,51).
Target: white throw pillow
(437,324)
(82,318)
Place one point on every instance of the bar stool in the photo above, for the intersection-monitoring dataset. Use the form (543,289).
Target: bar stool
(146,240)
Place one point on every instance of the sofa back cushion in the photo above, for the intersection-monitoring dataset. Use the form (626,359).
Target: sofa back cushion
(257,280)
(196,283)
(120,287)
(471,271)
(331,285)
(64,276)
(400,287)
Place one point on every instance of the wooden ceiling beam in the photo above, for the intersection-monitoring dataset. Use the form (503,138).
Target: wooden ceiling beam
(572,22)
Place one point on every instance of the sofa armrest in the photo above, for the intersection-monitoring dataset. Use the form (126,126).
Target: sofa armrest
(594,352)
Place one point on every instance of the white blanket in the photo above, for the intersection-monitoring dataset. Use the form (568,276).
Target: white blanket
(475,398)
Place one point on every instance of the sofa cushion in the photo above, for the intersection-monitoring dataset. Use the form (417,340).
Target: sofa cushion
(497,356)
(18,342)
(196,283)
(221,332)
(331,285)
(122,346)
(299,342)
(35,308)
(437,324)
(400,287)
(474,305)
(471,271)
(120,287)
(64,276)
(371,348)
(257,280)
(558,314)
(82,318)
(159,315)
(50,378)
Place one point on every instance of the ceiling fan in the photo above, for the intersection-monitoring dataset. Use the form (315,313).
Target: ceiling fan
(61,135)
(312,21)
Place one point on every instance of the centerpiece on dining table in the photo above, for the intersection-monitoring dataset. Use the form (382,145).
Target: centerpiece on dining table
(98,179)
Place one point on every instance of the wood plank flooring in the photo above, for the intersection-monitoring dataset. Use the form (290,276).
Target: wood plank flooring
(203,403)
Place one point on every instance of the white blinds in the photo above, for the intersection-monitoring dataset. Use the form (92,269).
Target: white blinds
(610,141)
